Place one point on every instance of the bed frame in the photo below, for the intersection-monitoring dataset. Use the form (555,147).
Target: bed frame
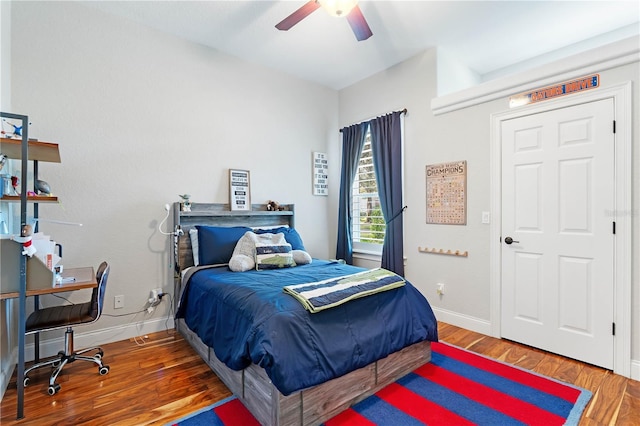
(309,406)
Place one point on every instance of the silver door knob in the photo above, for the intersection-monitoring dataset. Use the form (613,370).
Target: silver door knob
(510,240)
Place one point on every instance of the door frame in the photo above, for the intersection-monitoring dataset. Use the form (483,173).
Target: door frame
(622,100)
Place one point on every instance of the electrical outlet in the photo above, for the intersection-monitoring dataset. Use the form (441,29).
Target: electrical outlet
(155,295)
(440,288)
(118,302)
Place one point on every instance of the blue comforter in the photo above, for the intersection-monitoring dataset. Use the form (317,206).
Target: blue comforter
(246,317)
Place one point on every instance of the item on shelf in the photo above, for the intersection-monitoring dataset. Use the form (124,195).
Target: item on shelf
(17,130)
(185,205)
(15,182)
(42,187)
(26,239)
(275,206)
(4,229)
(3,160)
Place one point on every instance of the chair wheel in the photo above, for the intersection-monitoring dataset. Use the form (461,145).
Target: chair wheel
(56,364)
(52,390)
(26,381)
(103,370)
(99,355)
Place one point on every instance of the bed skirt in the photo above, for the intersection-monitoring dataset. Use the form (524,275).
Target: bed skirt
(313,405)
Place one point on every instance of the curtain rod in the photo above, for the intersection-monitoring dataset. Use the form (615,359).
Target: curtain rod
(404,111)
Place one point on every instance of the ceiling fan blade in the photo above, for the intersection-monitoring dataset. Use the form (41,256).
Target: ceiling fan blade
(359,24)
(298,15)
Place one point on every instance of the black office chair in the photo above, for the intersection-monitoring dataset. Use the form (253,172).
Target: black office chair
(67,316)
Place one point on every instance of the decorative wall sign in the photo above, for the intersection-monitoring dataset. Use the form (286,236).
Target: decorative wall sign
(560,89)
(447,193)
(320,174)
(239,190)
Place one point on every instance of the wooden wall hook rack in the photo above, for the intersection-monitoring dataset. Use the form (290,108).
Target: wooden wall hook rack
(443,251)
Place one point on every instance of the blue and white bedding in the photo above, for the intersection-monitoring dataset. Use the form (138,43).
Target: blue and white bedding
(247,318)
(326,294)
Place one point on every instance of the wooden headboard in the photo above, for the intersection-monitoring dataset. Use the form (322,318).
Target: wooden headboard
(221,215)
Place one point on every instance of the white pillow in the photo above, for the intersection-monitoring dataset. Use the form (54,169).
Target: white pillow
(301,257)
(266,228)
(243,257)
(193,235)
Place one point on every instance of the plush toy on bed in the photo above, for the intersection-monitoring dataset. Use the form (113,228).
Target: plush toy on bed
(274,206)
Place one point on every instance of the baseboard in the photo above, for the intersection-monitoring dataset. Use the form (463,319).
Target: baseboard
(464,321)
(50,347)
(7,371)
(635,369)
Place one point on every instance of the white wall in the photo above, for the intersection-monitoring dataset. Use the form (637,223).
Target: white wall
(412,84)
(463,134)
(453,75)
(141,117)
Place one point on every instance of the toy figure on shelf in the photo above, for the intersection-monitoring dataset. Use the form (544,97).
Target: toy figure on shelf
(274,206)
(15,182)
(186,203)
(26,240)
(17,130)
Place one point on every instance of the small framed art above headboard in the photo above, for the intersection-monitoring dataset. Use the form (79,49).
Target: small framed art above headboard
(214,214)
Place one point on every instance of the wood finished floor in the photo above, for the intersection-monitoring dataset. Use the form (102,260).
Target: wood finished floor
(164,379)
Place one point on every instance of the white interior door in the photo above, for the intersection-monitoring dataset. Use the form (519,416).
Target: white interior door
(558,201)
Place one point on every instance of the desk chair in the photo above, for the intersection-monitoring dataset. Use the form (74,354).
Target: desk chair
(66,316)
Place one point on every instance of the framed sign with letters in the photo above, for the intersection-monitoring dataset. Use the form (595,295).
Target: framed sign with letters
(239,189)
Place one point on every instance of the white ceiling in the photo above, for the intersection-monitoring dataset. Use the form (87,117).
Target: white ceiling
(487,36)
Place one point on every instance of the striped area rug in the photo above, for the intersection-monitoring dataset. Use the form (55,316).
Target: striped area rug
(457,387)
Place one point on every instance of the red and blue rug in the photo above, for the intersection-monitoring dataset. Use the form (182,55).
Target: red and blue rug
(457,387)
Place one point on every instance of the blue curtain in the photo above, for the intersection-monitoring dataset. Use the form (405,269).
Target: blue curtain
(386,149)
(352,143)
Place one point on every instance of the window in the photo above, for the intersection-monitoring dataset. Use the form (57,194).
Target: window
(368,223)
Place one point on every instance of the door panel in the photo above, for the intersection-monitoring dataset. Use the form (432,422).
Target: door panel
(557,187)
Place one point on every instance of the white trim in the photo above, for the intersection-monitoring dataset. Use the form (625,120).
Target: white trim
(367,255)
(597,60)
(7,371)
(635,369)
(51,347)
(621,95)
(467,322)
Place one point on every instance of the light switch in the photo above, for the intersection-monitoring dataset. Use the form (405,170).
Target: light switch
(486,217)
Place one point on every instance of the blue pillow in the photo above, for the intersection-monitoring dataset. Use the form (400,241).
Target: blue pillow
(290,234)
(216,243)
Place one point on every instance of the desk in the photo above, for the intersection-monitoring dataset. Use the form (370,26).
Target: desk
(84,278)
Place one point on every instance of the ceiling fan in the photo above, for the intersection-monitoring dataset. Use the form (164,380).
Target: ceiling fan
(338,8)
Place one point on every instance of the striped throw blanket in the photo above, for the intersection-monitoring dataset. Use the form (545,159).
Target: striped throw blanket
(321,295)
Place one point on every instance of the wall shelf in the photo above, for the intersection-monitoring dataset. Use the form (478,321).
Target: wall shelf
(38,151)
(30,199)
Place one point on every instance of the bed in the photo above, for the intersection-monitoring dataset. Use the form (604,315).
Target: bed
(289,366)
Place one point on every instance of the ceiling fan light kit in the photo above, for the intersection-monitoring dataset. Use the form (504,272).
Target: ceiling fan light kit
(338,8)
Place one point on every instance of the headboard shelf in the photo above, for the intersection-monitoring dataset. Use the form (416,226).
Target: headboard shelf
(218,214)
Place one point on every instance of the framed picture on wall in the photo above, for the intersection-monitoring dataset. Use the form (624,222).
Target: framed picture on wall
(447,193)
(320,174)
(239,189)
